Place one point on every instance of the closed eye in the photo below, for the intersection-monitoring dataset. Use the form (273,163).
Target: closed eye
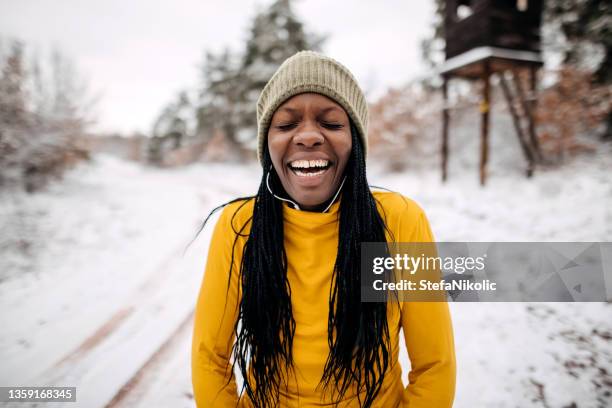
(285,126)
(332,126)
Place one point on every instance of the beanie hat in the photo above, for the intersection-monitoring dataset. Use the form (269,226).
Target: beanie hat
(308,71)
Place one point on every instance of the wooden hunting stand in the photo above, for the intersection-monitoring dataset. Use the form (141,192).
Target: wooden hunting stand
(488,37)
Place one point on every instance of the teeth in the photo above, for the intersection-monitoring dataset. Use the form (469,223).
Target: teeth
(306,164)
(311,174)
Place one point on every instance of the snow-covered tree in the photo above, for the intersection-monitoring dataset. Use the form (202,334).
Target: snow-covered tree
(586,43)
(13,97)
(15,120)
(175,119)
(219,96)
(232,82)
(275,35)
(42,111)
(173,127)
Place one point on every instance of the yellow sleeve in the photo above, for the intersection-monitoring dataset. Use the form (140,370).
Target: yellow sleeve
(215,314)
(428,333)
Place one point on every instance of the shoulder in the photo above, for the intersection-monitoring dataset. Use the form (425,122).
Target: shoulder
(236,216)
(396,206)
(404,218)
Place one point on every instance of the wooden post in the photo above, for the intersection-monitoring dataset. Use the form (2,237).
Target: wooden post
(445,120)
(528,108)
(484,125)
(527,151)
(533,104)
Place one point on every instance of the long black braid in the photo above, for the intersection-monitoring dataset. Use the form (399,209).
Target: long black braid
(358,333)
(359,350)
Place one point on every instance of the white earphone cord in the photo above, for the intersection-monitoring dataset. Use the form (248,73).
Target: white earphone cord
(297,207)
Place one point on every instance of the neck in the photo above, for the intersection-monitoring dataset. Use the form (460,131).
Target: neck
(320,207)
(323,207)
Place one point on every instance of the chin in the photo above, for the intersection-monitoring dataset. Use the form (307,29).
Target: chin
(311,200)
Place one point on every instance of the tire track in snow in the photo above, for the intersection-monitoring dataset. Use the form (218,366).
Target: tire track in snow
(142,381)
(102,376)
(67,363)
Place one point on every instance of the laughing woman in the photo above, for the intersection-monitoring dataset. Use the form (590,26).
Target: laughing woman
(281,291)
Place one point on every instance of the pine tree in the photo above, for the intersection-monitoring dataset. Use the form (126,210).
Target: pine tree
(276,34)
(586,27)
(174,120)
(231,83)
(171,129)
(219,96)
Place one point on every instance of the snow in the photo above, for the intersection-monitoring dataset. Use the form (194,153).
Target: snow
(130,226)
(93,280)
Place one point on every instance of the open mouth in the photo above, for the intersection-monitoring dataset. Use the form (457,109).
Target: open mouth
(309,168)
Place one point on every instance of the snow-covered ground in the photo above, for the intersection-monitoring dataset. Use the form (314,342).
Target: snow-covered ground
(94,284)
(515,354)
(93,277)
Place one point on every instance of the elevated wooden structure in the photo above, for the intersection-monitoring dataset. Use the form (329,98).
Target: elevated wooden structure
(488,37)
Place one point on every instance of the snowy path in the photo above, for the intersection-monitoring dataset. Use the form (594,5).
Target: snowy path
(163,381)
(109,319)
(94,291)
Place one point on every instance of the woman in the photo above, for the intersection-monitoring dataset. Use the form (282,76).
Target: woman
(281,291)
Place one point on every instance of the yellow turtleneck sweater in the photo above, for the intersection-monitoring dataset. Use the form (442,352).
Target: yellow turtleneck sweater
(311,243)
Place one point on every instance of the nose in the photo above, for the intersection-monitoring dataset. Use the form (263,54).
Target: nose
(308,136)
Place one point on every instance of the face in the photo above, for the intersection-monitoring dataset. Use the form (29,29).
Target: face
(309,140)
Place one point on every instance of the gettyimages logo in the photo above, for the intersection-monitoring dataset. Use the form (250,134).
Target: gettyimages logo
(410,264)
(491,272)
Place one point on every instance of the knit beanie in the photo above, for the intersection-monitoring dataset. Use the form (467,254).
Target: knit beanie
(308,71)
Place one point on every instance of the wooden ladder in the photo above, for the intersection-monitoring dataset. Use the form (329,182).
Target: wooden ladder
(522,109)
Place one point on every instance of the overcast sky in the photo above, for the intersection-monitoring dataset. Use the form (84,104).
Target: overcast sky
(137,54)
